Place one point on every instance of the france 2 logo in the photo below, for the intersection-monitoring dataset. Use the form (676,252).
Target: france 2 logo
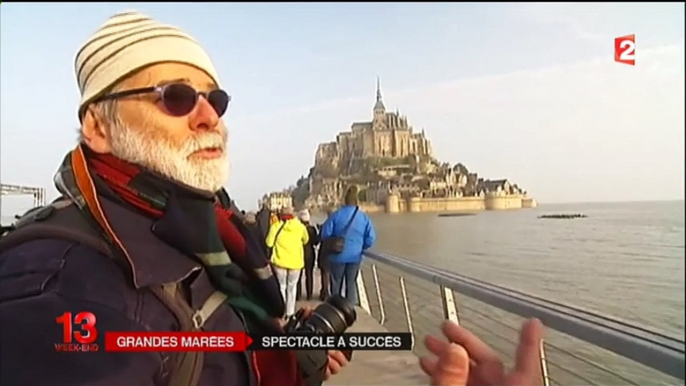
(625,49)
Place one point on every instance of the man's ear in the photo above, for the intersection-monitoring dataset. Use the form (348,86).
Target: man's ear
(94,133)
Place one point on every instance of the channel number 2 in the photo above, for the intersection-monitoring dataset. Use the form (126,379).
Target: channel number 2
(629,52)
(625,49)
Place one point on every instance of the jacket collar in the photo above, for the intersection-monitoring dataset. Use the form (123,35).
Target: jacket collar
(152,261)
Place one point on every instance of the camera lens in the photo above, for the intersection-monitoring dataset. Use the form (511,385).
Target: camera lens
(344,307)
(334,316)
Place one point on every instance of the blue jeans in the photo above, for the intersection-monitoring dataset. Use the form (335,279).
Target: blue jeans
(345,273)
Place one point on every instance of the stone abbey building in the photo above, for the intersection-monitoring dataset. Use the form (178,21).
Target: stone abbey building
(395,171)
(387,135)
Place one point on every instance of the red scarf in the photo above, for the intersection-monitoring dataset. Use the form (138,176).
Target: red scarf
(273,368)
(117,174)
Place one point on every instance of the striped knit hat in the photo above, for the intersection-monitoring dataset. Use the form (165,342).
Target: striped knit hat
(127,42)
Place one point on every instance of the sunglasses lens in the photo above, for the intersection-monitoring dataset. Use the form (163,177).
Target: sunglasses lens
(219,100)
(179,99)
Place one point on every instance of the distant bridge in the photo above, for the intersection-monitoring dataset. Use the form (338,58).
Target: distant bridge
(18,190)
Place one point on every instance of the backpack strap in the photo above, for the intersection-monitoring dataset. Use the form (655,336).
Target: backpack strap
(276,237)
(63,220)
(187,366)
(350,222)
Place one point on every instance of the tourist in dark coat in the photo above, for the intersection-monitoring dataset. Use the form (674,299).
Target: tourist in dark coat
(324,266)
(310,256)
(251,223)
(262,217)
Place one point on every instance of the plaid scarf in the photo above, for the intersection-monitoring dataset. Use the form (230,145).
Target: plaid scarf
(236,268)
(219,242)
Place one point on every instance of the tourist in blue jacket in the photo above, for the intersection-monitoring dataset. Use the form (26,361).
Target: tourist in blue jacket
(346,234)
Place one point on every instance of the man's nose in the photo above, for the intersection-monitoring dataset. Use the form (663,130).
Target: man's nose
(204,117)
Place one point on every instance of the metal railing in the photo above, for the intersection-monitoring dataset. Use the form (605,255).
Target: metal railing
(18,190)
(580,347)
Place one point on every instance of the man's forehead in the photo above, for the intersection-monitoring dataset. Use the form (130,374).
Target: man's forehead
(165,73)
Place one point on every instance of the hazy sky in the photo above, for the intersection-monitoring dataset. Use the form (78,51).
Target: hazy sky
(529,92)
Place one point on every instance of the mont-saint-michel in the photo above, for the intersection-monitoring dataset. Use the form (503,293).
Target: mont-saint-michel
(395,170)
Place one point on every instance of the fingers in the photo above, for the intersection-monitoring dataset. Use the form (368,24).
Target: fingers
(527,359)
(452,368)
(338,357)
(428,365)
(434,345)
(334,366)
(477,349)
(336,362)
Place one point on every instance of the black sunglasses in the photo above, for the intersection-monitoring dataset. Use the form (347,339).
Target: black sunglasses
(179,99)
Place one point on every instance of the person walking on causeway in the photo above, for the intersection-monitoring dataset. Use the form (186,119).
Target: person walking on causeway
(286,239)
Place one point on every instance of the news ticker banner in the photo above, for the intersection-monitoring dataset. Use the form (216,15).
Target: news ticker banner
(232,341)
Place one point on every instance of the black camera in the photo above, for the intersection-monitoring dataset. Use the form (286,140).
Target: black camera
(333,316)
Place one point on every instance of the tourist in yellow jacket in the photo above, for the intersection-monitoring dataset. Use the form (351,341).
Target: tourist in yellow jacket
(286,238)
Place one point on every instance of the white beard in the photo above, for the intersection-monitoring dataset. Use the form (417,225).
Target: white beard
(161,156)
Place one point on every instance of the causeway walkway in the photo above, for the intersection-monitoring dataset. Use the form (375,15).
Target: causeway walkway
(374,367)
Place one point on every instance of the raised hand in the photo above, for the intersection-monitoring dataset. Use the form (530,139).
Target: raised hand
(466,360)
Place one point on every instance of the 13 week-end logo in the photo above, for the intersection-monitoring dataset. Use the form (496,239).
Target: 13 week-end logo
(78,332)
(625,49)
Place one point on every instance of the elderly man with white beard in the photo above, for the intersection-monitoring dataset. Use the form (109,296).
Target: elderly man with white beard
(141,238)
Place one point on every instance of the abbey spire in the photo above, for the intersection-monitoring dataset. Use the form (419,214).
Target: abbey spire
(379,102)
